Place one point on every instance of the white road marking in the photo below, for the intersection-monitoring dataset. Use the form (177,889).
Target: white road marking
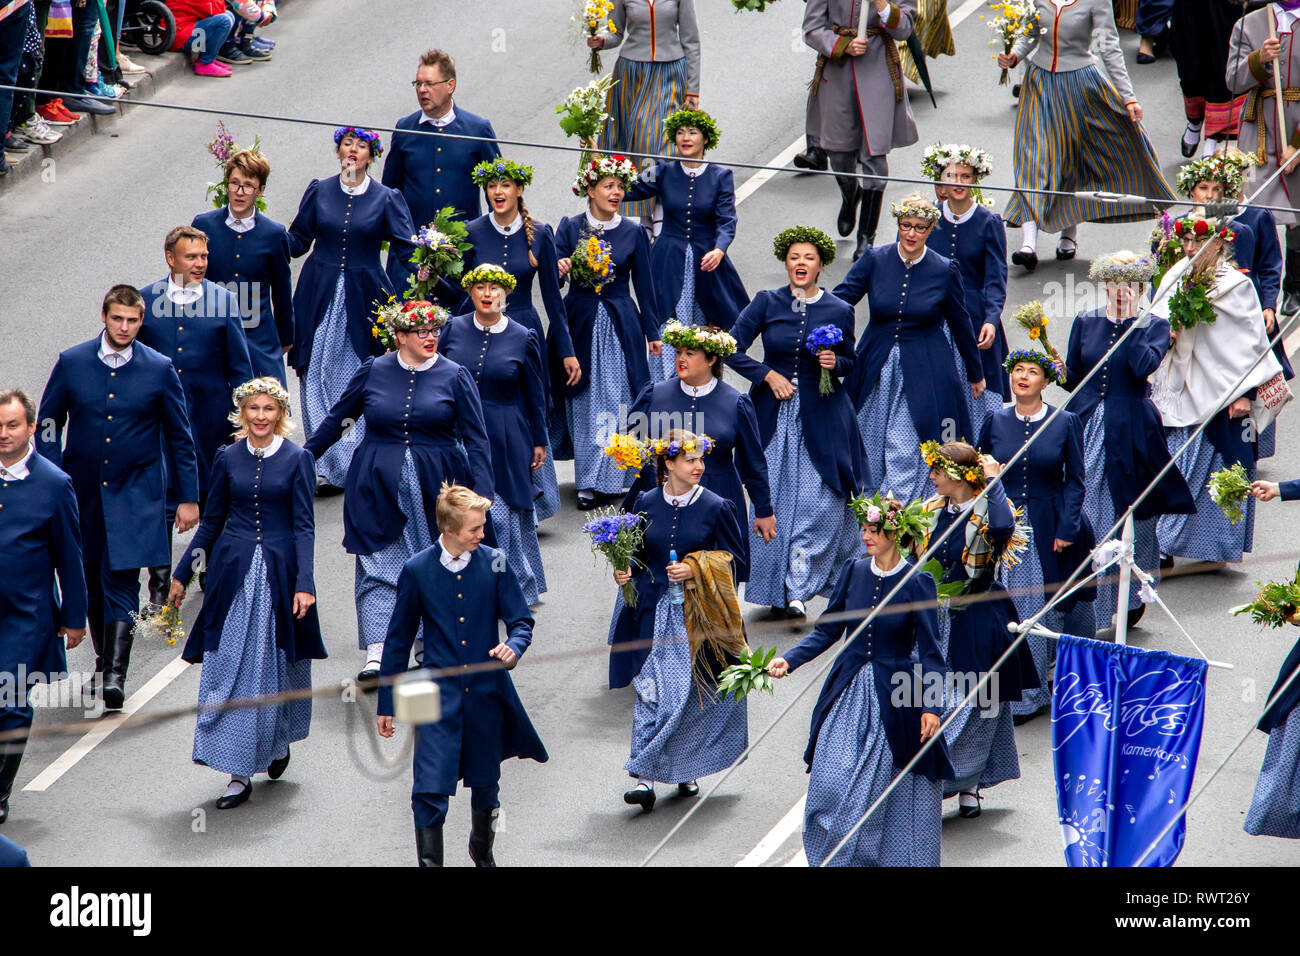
(105,726)
(797,860)
(775,838)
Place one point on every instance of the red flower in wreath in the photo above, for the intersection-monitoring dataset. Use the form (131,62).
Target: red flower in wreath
(1200,227)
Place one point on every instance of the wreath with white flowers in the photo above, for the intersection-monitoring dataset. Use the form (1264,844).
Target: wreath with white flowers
(617,165)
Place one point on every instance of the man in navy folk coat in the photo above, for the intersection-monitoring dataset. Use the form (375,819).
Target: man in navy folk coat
(460,591)
(127,430)
(39,540)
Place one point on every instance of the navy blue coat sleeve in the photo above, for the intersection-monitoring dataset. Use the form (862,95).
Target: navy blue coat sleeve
(534,395)
(824,635)
(282,291)
(346,412)
(1074,370)
(751,458)
(215,511)
(984,444)
(66,552)
(845,355)
(854,285)
(926,621)
(490,149)
(302,231)
(958,319)
(731,537)
(394,175)
(400,228)
(514,612)
(646,296)
(304,523)
(1147,347)
(747,328)
(1267,266)
(559,341)
(402,628)
(647,186)
(52,416)
(1071,516)
(1289,490)
(1001,521)
(179,440)
(638,413)
(473,433)
(995,269)
(725,210)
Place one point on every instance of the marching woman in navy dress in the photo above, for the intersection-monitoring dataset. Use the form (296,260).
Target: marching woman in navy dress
(815,460)
(1123,439)
(860,738)
(976,240)
(258,631)
(982,745)
(906,381)
(509,236)
(697,399)
(426,427)
(610,331)
(681,729)
(1048,485)
(505,360)
(693,276)
(343,222)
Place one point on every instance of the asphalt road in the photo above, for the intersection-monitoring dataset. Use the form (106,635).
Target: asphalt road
(99,218)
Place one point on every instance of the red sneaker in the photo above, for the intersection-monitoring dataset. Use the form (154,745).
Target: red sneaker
(55,113)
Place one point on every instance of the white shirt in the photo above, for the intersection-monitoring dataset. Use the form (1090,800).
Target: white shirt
(358,190)
(875,568)
(1286,19)
(440,121)
(426,364)
(602,226)
(111,356)
(1038,416)
(239,225)
(509,230)
(955,219)
(183,294)
(954,508)
(498,326)
(699,392)
(268,451)
(913,262)
(18,470)
(814,299)
(696,171)
(682,500)
(450,563)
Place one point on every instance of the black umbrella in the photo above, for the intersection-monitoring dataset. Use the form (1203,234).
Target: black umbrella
(918,57)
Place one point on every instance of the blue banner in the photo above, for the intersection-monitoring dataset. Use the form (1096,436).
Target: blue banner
(1126,730)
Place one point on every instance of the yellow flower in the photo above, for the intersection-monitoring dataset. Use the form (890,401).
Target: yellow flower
(970,476)
(1044,320)
(688,446)
(1035,332)
(374,332)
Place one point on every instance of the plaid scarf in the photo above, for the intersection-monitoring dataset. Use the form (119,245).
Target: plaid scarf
(980,552)
(712,612)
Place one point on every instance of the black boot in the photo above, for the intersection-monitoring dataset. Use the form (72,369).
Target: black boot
(117,657)
(160,580)
(428,846)
(11,755)
(94,686)
(482,832)
(814,157)
(1291,283)
(850,196)
(868,220)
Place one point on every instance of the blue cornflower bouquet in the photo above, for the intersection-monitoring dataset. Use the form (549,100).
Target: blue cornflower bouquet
(617,535)
(820,339)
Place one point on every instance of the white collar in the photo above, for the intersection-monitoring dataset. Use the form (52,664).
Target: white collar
(500,326)
(698,170)
(509,230)
(445,120)
(18,470)
(917,261)
(447,561)
(957,509)
(426,364)
(701,391)
(682,500)
(182,294)
(1036,417)
(241,225)
(814,299)
(268,451)
(955,219)
(358,190)
(113,357)
(1286,19)
(875,568)
(599,226)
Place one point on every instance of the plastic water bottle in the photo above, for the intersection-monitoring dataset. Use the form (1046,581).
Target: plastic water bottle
(676,590)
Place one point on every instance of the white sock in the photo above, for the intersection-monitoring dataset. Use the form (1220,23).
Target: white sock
(236,786)
(586,495)
(645,784)
(1208,147)
(968,800)
(1192,135)
(1029,234)
(1068,234)
(375,652)
(417,651)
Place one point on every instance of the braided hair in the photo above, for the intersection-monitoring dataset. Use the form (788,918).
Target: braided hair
(528,229)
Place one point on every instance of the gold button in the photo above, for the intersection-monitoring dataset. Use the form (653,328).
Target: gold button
(462,620)
(107,440)
(462,644)
(458,577)
(106,484)
(112,375)
(180,328)
(180,348)
(110,394)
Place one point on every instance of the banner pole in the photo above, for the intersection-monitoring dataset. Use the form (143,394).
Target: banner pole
(1125,580)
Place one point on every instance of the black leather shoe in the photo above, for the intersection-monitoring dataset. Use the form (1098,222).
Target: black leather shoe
(1064,254)
(79,105)
(1189,149)
(812,158)
(117,657)
(1291,302)
(228,801)
(482,833)
(325,490)
(278,766)
(8,774)
(369,672)
(1027,259)
(689,789)
(428,846)
(641,797)
(969,813)
(1020,719)
(586,504)
(868,220)
(1135,615)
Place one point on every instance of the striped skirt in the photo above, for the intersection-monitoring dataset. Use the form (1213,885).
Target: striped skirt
(688,312)
(1072,133)
(644,95)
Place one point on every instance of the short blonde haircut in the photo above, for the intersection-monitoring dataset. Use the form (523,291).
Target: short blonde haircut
(454,501)
(282,427)
(251,164)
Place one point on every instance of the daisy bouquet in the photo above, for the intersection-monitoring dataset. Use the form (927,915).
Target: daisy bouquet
(595,18)
(1015,19)
(819,339)
(439,253)
(617,535)
(592,262)
(222,147)
(159,622)
(1229,488)
(1277,603)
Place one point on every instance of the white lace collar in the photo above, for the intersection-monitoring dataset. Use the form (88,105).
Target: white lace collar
(915,262)
(509,230)
(955,219)
(875,568)
(358,190)
(499,326)
(812,300)
(698,170)
(426,364)
(599,226)
(700,391)
(266,452)
(682,500)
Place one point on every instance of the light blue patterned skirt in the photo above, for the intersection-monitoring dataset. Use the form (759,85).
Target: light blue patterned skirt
(979,408)
(516,533)
(680,731)
(1275,809)
(376,577)
(1099,509)
(982,748)
(247,663)
(664,365)
(852,766)
(333,363)
(1024,583)
(1206,535)
(546,488)
(595,413)
(894,461)
(815,529)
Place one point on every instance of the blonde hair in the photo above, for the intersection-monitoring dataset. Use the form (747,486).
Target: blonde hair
(285,423)
(454,501)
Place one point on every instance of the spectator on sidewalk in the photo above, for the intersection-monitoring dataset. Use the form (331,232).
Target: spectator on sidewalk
(66,56)
(25,122)
(202,27)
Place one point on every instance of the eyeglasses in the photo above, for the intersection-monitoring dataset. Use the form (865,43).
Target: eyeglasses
(912,227)
(424,333)
(242,187)
(428,84)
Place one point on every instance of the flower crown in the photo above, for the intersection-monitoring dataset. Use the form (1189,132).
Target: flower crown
(492,170)
(616,165)
(915,209)
(1202,228)
(910,523)
(935,458)
(788,237)
(1050,369)
(1214,168)
(696,118)
(681,336)
(256,387)
(488,272)
(696,446)
(940,156)
(376,147)
(413,314)
(1106,269)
